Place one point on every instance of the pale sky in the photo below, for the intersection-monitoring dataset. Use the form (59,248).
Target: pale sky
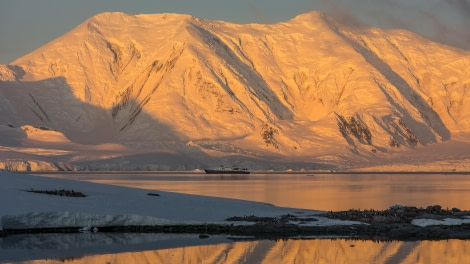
(26,25)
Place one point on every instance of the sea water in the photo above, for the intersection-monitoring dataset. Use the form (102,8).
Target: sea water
(309,191)
(167,248)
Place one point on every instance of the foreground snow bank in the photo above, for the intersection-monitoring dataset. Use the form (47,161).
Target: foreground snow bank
(76,219)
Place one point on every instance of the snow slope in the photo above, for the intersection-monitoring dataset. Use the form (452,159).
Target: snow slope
(170,91)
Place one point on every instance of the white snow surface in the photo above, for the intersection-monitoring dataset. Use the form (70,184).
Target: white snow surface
(446,221)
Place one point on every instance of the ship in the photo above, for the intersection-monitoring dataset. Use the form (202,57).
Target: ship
(227,170)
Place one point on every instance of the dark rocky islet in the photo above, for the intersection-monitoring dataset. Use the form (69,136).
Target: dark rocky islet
(68,193)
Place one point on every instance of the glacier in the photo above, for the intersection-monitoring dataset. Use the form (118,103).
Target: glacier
(176,92)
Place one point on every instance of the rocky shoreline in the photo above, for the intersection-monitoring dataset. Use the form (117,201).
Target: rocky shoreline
(401,232)
(395,223)
(398,214)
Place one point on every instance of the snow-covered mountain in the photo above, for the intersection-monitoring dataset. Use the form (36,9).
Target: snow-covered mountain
(169,91)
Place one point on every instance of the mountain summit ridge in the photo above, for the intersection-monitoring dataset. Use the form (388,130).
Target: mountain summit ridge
(304,90)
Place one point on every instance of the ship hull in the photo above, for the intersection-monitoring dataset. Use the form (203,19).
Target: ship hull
(209,171)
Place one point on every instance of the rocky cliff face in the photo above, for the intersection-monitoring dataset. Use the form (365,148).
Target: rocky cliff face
(306,90)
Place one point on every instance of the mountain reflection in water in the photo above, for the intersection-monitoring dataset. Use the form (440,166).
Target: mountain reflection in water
(137,248)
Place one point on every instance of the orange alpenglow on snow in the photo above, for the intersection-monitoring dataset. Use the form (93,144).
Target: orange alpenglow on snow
(175,92)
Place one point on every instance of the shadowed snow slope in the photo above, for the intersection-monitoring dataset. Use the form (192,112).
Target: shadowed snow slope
(306,93)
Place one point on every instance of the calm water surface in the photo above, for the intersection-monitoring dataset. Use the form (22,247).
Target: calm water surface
(157,248)
(309,191)
(313,191)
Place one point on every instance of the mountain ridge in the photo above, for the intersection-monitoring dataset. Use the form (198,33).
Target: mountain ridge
(304,90)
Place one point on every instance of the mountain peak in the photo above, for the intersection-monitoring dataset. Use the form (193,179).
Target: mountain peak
(309,16)
(124,19)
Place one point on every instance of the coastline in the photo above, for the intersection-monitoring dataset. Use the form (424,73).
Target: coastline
(376,231)
(106,208)
(198,172)
(399,223)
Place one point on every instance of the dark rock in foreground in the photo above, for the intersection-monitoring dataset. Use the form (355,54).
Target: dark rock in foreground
(403,232)
(398,214)
(391,224)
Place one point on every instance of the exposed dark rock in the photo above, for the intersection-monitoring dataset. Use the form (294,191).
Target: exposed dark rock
(354,126)
(69,193)
(399,214)
(281,219)
(203,236)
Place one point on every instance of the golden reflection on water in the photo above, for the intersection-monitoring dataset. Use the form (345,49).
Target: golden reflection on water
(321,191)
(295,251)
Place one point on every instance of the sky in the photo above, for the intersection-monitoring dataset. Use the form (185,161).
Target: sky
(26,25)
